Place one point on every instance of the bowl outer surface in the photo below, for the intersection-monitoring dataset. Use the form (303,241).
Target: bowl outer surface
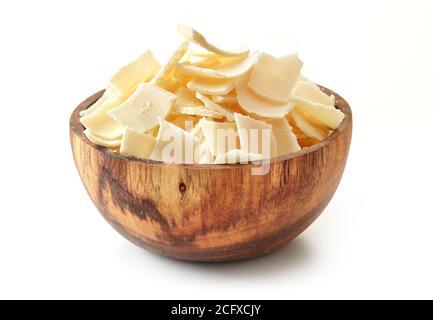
(211,212)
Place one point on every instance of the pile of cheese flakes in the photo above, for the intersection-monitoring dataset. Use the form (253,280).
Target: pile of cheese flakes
(203,89)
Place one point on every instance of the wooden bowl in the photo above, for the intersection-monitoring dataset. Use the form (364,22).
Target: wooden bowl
(211,212)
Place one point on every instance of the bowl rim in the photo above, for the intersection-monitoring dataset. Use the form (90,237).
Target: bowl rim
(340,103)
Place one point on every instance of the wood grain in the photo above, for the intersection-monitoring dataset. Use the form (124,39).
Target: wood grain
(211,212)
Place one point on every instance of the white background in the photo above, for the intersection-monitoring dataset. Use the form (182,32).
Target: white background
(375,238)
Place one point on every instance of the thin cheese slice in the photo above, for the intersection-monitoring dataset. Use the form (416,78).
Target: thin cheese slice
(141,110)
(206,62)
(274,78)
(197,38)
(137,144)
(173,144)
(198,111)
(227,71)
(101,141)
(183,121)
(255,136)
(211,86)
(316,112)
(228,114)
(308,128)
(172,62)
(109,94)
(309,91)
(220,136)
(286,140)
(253,104)
(186,98)
(198,132)
(227,99)
(102,125)
(143,69)
(237,156)
(203,155)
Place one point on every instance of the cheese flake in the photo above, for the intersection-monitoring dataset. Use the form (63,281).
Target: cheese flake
(255,136)
(141,110)
(197,38)
(137,144)
(274,78)
(141,70)
(220,136)
(286,140)
(228,114)
(309,128)
(227,71)
(211,86)
(253,104)
(101,141)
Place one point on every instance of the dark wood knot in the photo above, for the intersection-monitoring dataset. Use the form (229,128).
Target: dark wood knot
(182,188)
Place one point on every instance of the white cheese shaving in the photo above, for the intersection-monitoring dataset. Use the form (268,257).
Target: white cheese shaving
(101,141)
(309,91)
(173,144)
(325,115)
(143,69)
(141,110)
(229,71)
(137,144)
(309,128)
(220,136)
(172,62)
(197,38)
(255,136)
(211,86)
(274,78)
(253,104)
(286,140)
(228,114)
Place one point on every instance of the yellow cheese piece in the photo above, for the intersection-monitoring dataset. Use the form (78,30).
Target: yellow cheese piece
(274,78)
(172,62)
(253,104)
(255,136)
(183,121)
(237,156)
(212,86)
(226,99)
(186,98)
(187,103)
(141,110)
(109,94)
(198,111)
(316,112)
(197,38)
(206,62)
(173,144)
(226,71)
(220,136)
(102,125)
(101,141)
(228,114)
(309,128)
(286,140)
(143,69)
(309,91)
(137,144)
